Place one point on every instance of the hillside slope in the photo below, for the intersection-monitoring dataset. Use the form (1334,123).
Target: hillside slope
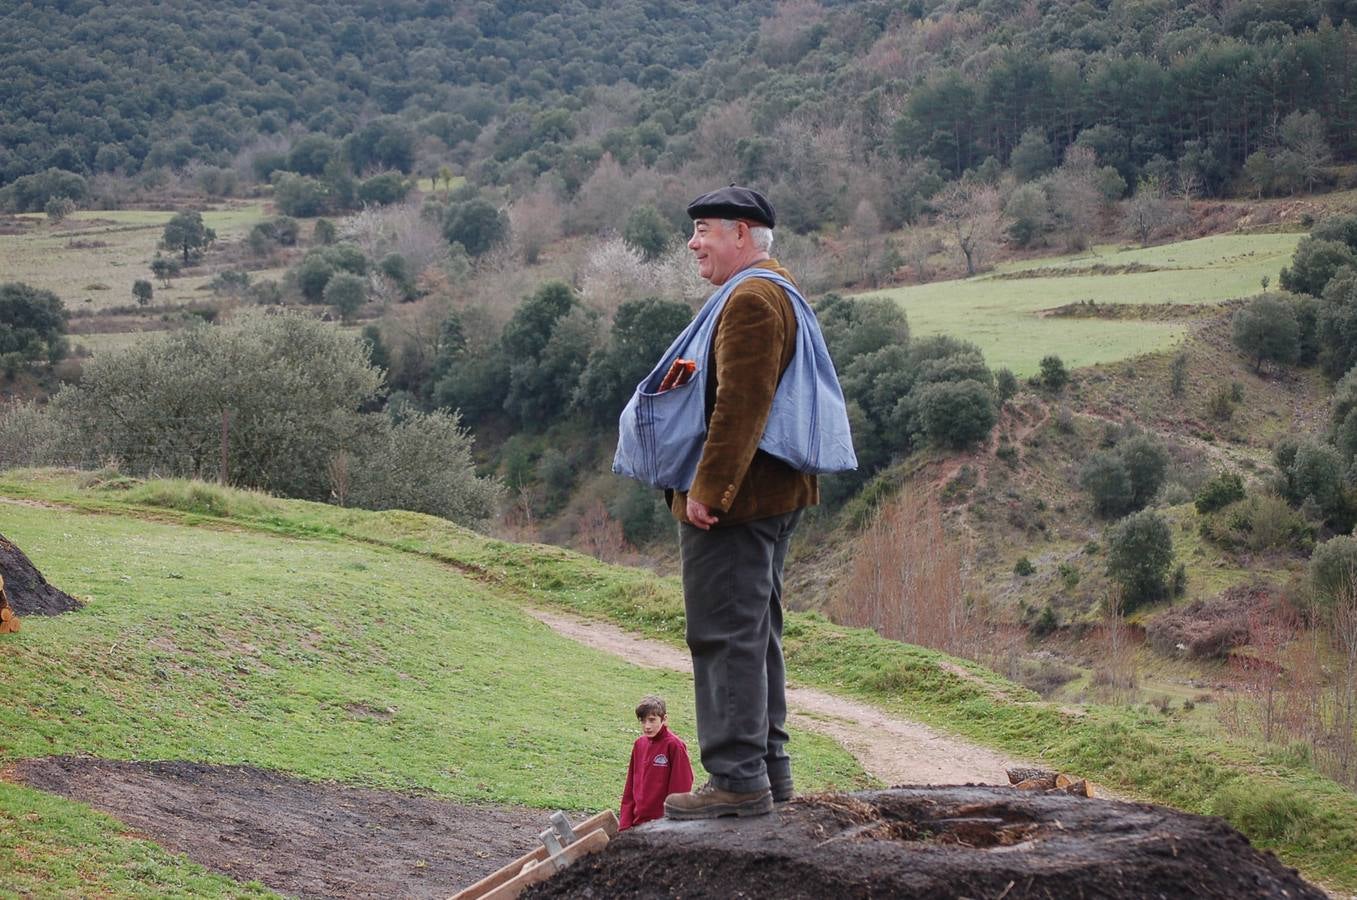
(344,609)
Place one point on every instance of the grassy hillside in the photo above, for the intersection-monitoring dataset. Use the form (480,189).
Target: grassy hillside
(1002,311)
(348,590)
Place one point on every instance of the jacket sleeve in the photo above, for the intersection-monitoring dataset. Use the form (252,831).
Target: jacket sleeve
(748,358)
(628,812)
(680,770)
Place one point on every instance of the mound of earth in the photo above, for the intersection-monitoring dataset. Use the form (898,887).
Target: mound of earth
(302,838)
(28,592)
(935,842)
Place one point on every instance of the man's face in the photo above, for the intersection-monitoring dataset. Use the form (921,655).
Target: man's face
(651,724)
(720,248)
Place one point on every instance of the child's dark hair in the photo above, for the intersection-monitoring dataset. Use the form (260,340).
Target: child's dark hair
(651,706)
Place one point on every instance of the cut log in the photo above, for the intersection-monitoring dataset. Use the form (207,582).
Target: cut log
(1019,774)
(9,622)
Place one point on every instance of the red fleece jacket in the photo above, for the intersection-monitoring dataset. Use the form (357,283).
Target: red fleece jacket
(659,767)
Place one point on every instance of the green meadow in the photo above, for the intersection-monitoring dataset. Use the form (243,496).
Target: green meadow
(391,649)
(1003,314)
(334,659)
(91,258)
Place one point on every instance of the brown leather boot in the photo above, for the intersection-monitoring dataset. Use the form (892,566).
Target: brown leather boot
(710,802)
(782,789)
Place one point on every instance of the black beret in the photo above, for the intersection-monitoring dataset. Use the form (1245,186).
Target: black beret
(733,203)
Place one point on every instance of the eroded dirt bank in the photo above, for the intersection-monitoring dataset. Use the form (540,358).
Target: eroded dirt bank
(303,838)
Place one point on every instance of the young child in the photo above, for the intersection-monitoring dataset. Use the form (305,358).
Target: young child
(659,766)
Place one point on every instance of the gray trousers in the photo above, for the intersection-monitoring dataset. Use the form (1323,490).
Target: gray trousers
(732,596)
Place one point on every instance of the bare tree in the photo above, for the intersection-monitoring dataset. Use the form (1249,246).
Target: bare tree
(971,213)
(781,35)
(600,535)
(338,471)
(1148,211)
(1343,726)
(907,581)
(1305,147)
(536,220)
(917,248)
(1118,670)
(1075,199)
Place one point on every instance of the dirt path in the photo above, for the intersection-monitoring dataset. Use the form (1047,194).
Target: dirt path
(894,750)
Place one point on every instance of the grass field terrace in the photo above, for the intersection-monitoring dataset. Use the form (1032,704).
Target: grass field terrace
(1003,314)
(91,258)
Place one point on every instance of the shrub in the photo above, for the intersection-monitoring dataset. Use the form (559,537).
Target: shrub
(647,232)
(1045,623)
(1005,384)
(423,464)
(324,232)
(1106,479)
(1222,490)
(346,293)
(1139,553)
(293,386)
(300,196)
(476,224)
(1024,567)
(164,268)
(385,188)
(32,326)
(642,514)
(1178,378)
(1266,330)
(1314,263)
(1069,575)
(30,193)
(58,208)
(1220,403)
(281,231)
(1333,571)
(1054,375)
(1146,463)
(1312,469)
(957,414)
(641,331)
(1259,524)
(143,291)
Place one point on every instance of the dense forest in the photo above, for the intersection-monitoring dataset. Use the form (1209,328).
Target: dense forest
(798,94)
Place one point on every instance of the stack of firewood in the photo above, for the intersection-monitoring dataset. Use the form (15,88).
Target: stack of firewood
(8,620)
(1028,779)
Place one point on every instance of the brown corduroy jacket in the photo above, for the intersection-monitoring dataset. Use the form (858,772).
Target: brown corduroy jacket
(754,341)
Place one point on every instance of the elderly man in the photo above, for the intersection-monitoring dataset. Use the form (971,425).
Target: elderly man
(736,521)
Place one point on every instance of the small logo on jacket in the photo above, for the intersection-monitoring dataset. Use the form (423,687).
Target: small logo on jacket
(660,760)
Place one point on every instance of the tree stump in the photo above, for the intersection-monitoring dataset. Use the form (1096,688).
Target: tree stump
(935,842)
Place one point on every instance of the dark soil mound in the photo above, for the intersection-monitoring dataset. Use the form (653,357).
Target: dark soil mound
(303,838)
(935,842)
(28,592)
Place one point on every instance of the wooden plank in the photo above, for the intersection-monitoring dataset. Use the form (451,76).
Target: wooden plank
(593,842)
(604,822)
(500,876)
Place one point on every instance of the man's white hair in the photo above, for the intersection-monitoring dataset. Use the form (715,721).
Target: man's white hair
(761,235)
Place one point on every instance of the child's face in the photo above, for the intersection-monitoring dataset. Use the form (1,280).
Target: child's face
(651,724)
